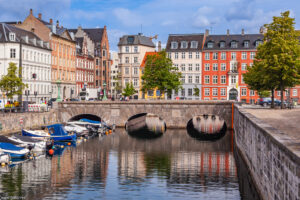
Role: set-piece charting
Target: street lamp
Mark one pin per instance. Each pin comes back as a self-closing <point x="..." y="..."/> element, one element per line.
<point x="35" y="94"/>
<point x="104" y="92"/>
<point x="58" y="82"/>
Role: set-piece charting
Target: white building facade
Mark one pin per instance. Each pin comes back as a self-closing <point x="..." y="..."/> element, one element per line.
<point x="114" y="72"/>
<point x="35" y="60"/>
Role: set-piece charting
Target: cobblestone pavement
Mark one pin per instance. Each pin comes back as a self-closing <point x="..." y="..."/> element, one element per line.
<point x="287" y="121"/>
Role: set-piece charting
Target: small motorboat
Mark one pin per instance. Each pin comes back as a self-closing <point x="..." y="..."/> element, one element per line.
<point x="37" y="134"/>
<point x="92" y="127"/>
<point x="100" y="123"/>
<point x="58" y="133"/>
<point x="79" y="130"/>
<point x="13" y="150"/>
<point x="38" y="145"/>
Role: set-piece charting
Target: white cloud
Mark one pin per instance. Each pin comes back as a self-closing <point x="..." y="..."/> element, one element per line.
<point x="127" y="17"/>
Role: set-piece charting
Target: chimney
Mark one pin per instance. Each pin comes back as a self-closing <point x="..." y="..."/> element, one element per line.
<point x="57" y="24"/>
<point x="159" y="46"/>
<point x="40" y="16"/>
<point x="51" y="21"/>
<point x="227" y="32"/>
<point x="206" y="32"/>
<point x="243" y="32"/>
<point x="32" y="30"/>
<point x="105" y="27"/>
<point x="30" y="12"/>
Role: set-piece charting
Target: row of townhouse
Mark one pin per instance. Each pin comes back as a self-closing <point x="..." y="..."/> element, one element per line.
<point x="55" y="60"/>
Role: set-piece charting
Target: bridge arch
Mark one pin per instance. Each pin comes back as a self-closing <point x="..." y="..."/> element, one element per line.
<point x="85" y="116"/>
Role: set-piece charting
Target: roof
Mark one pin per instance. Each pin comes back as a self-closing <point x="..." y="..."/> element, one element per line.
<point x="44" y="22"/>
<point x="21" y="34"/>
<point x="94" y="34"/>
<point x="185" y="37"/>
<point x="145" y="57"/>
<point x="79" y="44"/>
<point x="239" y="38"/>
<point x="136" y="40"/>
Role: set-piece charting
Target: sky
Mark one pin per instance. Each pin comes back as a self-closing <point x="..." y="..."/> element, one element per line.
<point x="154" y="17"/>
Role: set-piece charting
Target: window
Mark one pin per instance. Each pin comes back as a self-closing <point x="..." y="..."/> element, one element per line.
<point x="206" y="67"/>
<point x="176" y="66"/>
<point x="233" y="44"/>
<point x="278" y="93"/>
<point x="190" y="80"/>
<point x="135" y="49"/>
<point x="223" y="79"/>
<point x="190" y="55"/>
<point x="135" y="60"/>
<point x="252" y="93"/>
<point x="12" y="36"/>
<point x="150" y="92"/>
<point x="215" y="91"/>
<point x="222" y="44"/>
<point x="190" y="67"/>
<point x="223" y="91"/>
<point x="258" y="42"/>
<point x="252" y="55"/>
<point x="197" y="67"/>
<point x="12" y="53"/>
<point x="207" y="56"/>
<point x="176" y="55"/>
<point x="126" y="59"/>
<point x="126" y="81"/>
<point x="183" y="55"/>
<point x="251" y="64"/>
<point x="244" y="66"/>
<point x="183" y="67"/>
<point x="127" y="49"/>
<point x="233" y="79"/>
<point x="126" y="70"/>
<point x="210" y="45"/>
<point x="233" y="55"/>
<point x="174" y="45"/>
<point x="206" y="92"/>
<point x="215" y="67"/>
<point x="194" y="44"/>
<point x="169" y="55"/>
<point x="135" y="70"/>
<point x="183" y="92"/>
<point x="183" y="79"/>
<point x="246" y="44"/>
<point x="242" y="79"/>
<point x="223" y="56"/>
<point x="244" y="55"/>
<point x="135" y="82"/>
<point x="183" y="44"/>
<point x="197" y="55"/>
<point x="215" y="56"/>
<point x="223" y="66"/>
<point x="206" y="79"/>
<point x="295" y="93"/>
<point x="190" y="92"/>
<point x="97" y="61"/>
<point x="197" y="79"/>
<point x="215" y="79"/>
<point x="244" y="92"/>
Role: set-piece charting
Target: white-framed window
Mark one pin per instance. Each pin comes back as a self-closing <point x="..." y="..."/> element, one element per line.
<point x="197" y="55"/>
<point x="223" y="79"/>
<point x="215" y="79"/>
<point x="183" y="55"/>
<point x="12" y="53"/>
<point x="244" y="92"/>
<point x="197" y="67"/>
<point x="135" y="82"/>
<point x="206" y="67"/>
<point x="210" y="45"/>
<point x="215" y="56"/>
<point x="190" y="55"/>
<point x="190" y="79"/>
<point x="244" y="55"/>
<point x="233" y="44"/>
<point x="295" y="92"/>
<point x="184" y="45"/>
<point x="206" y="92"/>
<point x="233" y="55"/>
<point x="252" y="93"/>
<point x="207" y="56"/>
<point x="258" y="42"/>
<point x="135" y="49"/>
<point x="244" y="66"/>
<point x="194" y="44"/>
<point x="183" y="67"/>
<point x="252" y="55"/>
<point x="126" y="59"/>
<point x="215" y="67"/>
<point x="246" y="44"/>
<point x="233" y="79"/>
<point x="215" y="91"/>
<point x="242" y="79"/>
<point x="12" y="36"/>
<point x="190" y="67"/>
<point x="176" y="55"/>
<point x="223" y="66"/>
<point x="127" y="49"/>
<point x="278" y="93"/>
<point x="222" y="44"/>
<point x="126" y="81"/>
<point x="197" y="79"/>
<point x="223" y="56"/>
<point x="251" y="64"/>
<point x="183" y="79"/>
<point x="223" y="91"/>
<point x="135" y="70"/>
<point x="176" y="66"/>
<point x="206" y="79"/>
<point x="174" y="45"/>
<point x="190" y="92"/>
<point x="183" y="92"/>
<point x="135" y="60"/>
<point x="169" y="55"/>
<point x="126" y="70"/>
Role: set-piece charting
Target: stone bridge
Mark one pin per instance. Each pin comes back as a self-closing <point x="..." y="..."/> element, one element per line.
<point x="175" y="113"/>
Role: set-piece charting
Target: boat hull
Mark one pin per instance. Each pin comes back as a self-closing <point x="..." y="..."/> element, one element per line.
<point x="64" y="137"/>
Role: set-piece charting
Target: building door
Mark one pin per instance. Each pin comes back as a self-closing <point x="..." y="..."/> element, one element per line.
<point x="233" y="94"/>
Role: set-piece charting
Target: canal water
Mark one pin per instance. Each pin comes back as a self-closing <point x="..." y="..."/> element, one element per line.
<point x="117" y="166"/>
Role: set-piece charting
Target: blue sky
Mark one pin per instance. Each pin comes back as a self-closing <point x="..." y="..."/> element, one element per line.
<point x="160" y="17"/>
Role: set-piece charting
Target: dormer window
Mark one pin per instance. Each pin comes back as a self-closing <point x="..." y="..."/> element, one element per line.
<point x="174" y="45"/>
<point x="210" y="45"/>
<point x="194" y="44"/>
<point x="233" y="44"/>
<point x="222" y="44"/>
<point x="183" y="44"/>
<point x="246" y="44"/>
<point x="258" y="42"/>
<point x="12" y="37"/>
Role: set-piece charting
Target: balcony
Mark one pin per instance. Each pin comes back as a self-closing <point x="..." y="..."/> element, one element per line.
<point x="233" y="72"/>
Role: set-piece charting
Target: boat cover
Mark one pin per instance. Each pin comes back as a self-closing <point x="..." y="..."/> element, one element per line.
<point x="57" y="129"/>
<point x="26" y="138"/>
<point x="90" y="121"/>
<point x="9" y="146"/>
<point x="7" y="140"/>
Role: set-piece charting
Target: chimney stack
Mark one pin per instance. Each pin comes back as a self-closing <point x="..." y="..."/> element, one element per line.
<point x="159" y="46"/>
<point x="57" y="24"/>
<point x="227" y="32"/>
<point x="51" y="21"/>
<point x="30" y="12"/>
<point x="243" y="32"/>
<point x="40" y="15"/>
<point x="206" y="32"/>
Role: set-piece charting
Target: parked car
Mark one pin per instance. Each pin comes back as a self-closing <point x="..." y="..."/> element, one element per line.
<point x="74" y="99"/>
<point x="51" y="101"/>
<point x="268" y="100"/>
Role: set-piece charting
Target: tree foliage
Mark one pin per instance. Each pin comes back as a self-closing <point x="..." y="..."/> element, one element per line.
<point x="118" y="86"/>
<point x="196" y="91"/>
<point x="160" y="74"/>
<point x="129" y="90"/>
<point x="11" y="84"/>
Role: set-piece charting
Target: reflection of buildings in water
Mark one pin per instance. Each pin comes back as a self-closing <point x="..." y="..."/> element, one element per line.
<point x="131" y="166"/>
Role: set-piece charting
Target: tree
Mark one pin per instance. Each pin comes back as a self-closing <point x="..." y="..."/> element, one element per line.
<point x="160" y="74"/>
<point x="129" y="90"/>
<point x="118" y="86"/>
<point x="196" y="91"/>
<point x="11" y="84"/>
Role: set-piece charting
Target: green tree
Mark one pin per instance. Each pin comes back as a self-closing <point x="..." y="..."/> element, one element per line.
<point x="196" y="91"/>
<point x="11" y="84"/>
<point x="118" y="86"/>
<point x="129" y="90"/>
<point x="160" y="74"/>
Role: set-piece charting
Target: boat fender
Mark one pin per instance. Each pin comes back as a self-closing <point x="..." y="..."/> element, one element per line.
<point x="3" y="164"/>
<point x="62" y="146"/>
<point x="51" y="152"/>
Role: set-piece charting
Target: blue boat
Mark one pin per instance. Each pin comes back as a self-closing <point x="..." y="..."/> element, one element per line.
<point x="58" y="133"/>
<point x="13" y="150"/>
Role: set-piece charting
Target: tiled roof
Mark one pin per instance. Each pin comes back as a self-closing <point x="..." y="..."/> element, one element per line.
<point x="185" y="37"/>
<point x="94" y="33"/>
<point x="44" y="22"/>
<point x="136" y="40"/>
<point x="145" y="57"/>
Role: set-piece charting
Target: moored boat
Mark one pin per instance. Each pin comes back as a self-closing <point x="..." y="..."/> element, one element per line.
<point x="4" y="158"/>
<point x="38" y="134"/>
<point x="37" y="145"/>
<point x="58" y="133"/>
<point x="13" y="150"/>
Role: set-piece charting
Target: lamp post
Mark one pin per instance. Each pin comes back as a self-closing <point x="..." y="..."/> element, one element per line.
<point x="104" y="92"/>
<point x="35" y="94"/>
<point x="58" y="83"/>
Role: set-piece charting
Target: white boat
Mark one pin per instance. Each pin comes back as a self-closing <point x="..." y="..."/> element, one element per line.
<point x="4" y="158"/>
<point x="79" y="130"/>
<point x="36" y="134"/>
<point x="37" y="146"/>
<point x="13" y="150"/>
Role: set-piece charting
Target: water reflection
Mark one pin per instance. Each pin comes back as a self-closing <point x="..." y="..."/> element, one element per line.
<point x="116" y="166"/>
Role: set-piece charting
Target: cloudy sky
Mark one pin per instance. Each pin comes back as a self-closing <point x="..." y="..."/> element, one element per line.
<point x="153" y="17"/>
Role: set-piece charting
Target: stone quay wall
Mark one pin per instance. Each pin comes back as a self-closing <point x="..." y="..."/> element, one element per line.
<point x="272" y="157"/>
<point x="14" y="122"/>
